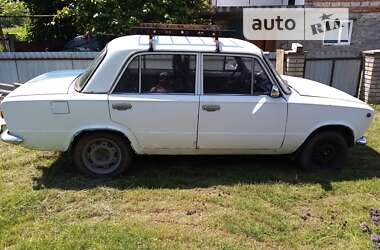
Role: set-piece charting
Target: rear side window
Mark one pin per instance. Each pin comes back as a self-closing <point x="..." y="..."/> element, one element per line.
<point x="159" y="74"/>
<point x="234" y="75"/>
<point x="129" y="81"/>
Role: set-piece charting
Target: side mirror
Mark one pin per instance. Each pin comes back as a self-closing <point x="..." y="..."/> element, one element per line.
<point x="275" y="92"/>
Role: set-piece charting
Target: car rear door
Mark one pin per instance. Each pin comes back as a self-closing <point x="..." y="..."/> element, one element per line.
<point x="236" y="109"/>
<point x="155" y="98"/>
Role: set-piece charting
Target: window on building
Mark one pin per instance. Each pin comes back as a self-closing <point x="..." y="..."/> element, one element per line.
<point x="338" y="33"/>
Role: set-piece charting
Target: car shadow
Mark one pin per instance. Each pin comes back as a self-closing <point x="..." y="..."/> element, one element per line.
<point x="206" y="171"/>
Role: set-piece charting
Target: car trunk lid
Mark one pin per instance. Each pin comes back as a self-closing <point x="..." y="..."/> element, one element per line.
<point x="56" y="82"/>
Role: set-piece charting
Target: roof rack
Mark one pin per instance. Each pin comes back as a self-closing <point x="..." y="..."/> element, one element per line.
<point x="155" y="29"/>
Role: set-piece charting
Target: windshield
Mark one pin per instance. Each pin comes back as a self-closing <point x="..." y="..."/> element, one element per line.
<point x="81" y="80"/>
<point x="282" y="82"/>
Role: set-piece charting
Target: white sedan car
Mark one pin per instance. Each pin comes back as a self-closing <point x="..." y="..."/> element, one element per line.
<point x="181" y="95"/>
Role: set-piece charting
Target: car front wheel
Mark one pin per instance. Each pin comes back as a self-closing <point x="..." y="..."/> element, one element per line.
<point x="102" y="154"/>
<point x="326" y="150"/>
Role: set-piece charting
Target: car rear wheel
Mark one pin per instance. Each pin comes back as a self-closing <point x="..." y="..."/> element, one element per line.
<point x="326" y="150"/>
<point x="102" y="154"/>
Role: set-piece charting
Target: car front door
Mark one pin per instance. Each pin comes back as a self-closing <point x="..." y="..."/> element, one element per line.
<point x="155" y="98"/>
<point x="236" y="109"/>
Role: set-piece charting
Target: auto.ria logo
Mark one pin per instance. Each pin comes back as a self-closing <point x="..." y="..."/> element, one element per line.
<point x="271" y="24"/>
<point x="326" y="24"/>
<point x="294" y="23"/>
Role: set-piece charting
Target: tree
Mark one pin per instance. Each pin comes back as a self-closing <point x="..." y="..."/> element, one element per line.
<point x="111" y="16"/>
<point x="45" y="28"/>
<point x="12" y="8"/>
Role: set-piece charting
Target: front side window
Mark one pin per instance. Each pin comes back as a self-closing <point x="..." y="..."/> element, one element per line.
<point x="234" y="75"/>
<point x="159" y="74"/>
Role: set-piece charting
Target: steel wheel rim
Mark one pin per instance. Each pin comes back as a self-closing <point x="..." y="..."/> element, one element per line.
<point x="101" y="156"/>
<point x="325" y="153"/>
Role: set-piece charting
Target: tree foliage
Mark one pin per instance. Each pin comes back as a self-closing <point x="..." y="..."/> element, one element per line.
<point x="12" y="8"/>
<point x="110" y="16"/>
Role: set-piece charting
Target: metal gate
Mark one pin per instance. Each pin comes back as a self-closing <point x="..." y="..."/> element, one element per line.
<point x="343" y="73"/>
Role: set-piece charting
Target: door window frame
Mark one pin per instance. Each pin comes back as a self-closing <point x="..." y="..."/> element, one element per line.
<point x="262" y="64"/>
<point x="139" y="54"/>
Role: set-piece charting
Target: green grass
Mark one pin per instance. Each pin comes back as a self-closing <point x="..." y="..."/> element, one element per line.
<point x="239" y="202"/>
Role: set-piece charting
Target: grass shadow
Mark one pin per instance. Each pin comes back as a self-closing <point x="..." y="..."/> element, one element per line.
<point x="206" y="171"/>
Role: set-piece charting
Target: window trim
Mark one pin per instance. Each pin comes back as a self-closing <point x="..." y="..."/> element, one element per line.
<point x="253" y="64"/>
<point x="263" y="65"/>
<point x="140" y="70"/>
<point x="285" y="90"/>
<point x="133" y="56"/>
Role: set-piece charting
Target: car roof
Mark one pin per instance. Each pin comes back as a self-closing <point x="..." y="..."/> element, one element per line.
<point x="183" y="43"/>
<point x="120" y="49"/>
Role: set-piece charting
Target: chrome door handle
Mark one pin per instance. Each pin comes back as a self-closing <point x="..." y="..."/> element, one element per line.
<point x="121" y="106"/>
<point x="211" y="108"/>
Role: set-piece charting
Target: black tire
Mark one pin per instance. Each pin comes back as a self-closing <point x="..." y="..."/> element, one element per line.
<point x="326" y="150"/>
<point x="102" y="154"/>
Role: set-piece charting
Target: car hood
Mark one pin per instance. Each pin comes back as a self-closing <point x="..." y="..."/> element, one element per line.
<point x="307" y="87"/>
<point x="56" y="82"/>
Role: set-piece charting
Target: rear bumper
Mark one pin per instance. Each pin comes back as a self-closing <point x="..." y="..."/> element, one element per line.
<point x="361" y="141"/>
<point x="5" y="136"/>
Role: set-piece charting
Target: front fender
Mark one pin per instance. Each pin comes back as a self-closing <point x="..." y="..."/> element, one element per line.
<point x="307" y="115"/>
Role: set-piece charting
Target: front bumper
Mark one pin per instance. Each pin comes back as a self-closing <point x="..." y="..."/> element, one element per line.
<point x="361" y="141"/>
<point x="5" y="136"/>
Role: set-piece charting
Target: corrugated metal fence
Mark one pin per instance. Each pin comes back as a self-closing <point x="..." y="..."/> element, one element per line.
<point x="339" y="70"/>
<point x="23" y="66"/>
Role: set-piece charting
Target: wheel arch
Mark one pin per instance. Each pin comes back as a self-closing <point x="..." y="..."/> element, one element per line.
<point x="345" y="130"/>
<point x="86" y="131"/>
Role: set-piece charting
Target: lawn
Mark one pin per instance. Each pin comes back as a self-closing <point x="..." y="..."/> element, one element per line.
<point x="237" y="202"/>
